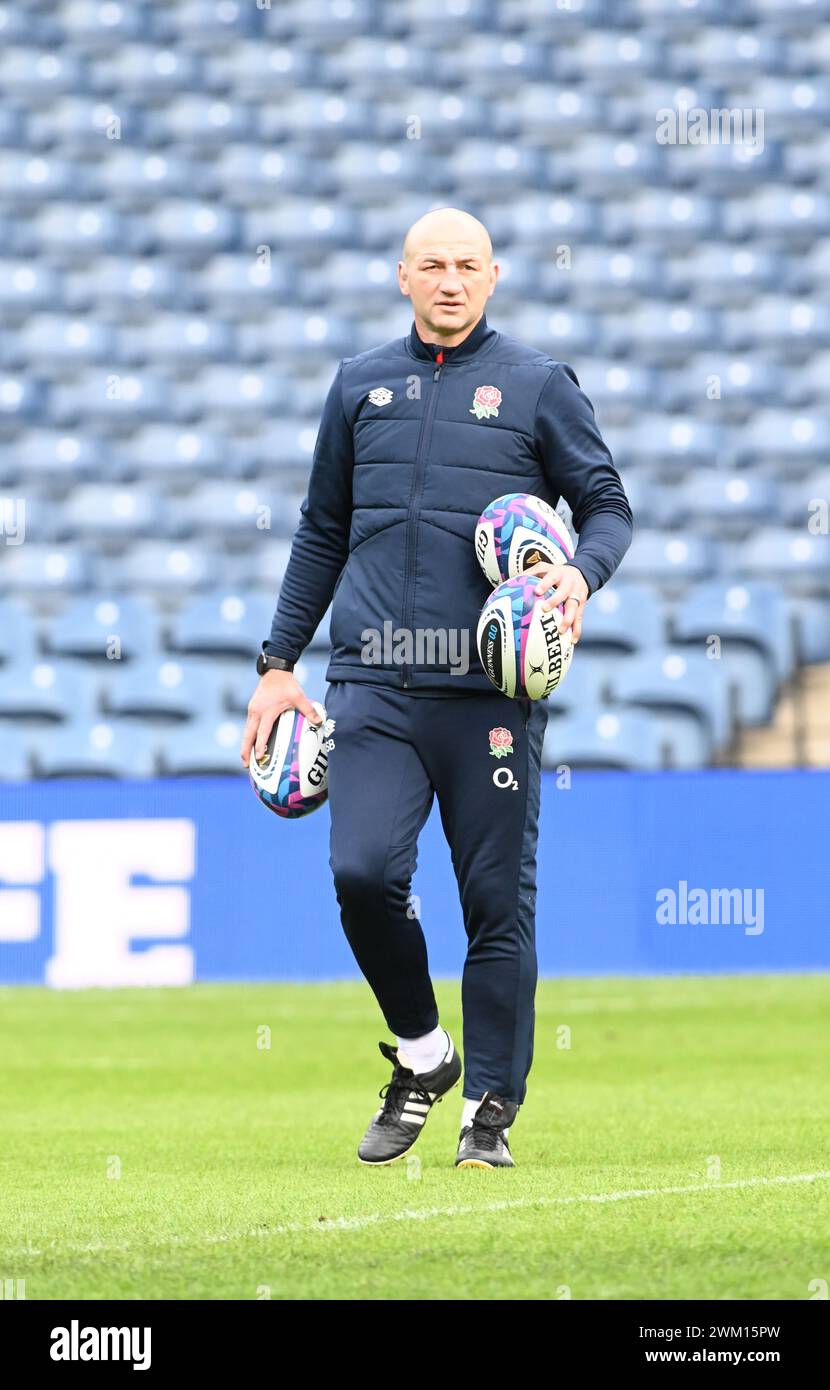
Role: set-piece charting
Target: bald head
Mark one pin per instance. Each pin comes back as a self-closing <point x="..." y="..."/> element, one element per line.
<point x="448" y="272"/>
<point x="447" y="226"/>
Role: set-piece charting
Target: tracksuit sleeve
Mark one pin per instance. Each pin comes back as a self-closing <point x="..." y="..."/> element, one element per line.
<point x="321" y="541"/>
<point x="579" y="467"/>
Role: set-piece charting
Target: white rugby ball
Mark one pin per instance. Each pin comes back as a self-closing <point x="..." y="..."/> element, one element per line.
<point x="517" y="531"/>
<point x="291" y="777"/>
<point x="521" y="647"/>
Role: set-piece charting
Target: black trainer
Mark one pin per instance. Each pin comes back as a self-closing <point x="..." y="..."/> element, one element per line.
<point x="407" y="1100"/>
<point x="483" y="1144"/>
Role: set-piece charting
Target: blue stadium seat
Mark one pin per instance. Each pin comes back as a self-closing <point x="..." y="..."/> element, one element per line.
<point x="265" y="566"/>
<point x="101" y="394"/>
<point x="737" y="383"/>
<point x="585" y="686"/>
<point x="599" y="165"/>
<point x="313" y="332"/>
<point x="103" y="626"/>
<point x="204" y="205"/>
<point x="163" y="687"/>
<point x="302" y="223"/>
<point x="200" y="117"/>
<point x="25" y="73"/>
<point x="81" y="121"/>
<point x="622" y="617"/>
<point x="223" y="623"/>
<point x="603" y="277"/>
<point x="17" y="633"/>
<point x="179" y="338"/>
<point x="15" y="755"/>
<point x="179" y="224"/>
<point x="603" y="738"/>
<point x="206" y="747"/>
<point x="806" y="502"/>
<point x="718" y="275"/>
<point x="176" y="452"/>
<point x="811" y="617"/>
<point x="26" y="285"/>
<point x="107" y="511"/>
<point x="161" y="567"/>
<point x="787" y="439"/>
<point x="748" y="614"/>
<point x="801" y="561"/>
<point x="250" y="172"/>
<point x="146" y="70"/>
<point x="42" y="690"/>
<point x="53" y="340"/>
<point x="256" y="66"/>
<point x="21" y="398"/>
<point x="99" y="747"/>
<point x="241" y="390"/>
<point x="681" y="685"/>
<point x="120" y="281"/>
<point x="686" y="217"/>
<point x="141" y="172"/>
<point x="231" y="280"/>
<point x="78" y="228"/>
<point x="41" y="568"/>
<point x="732" y="501"/>
<point x="311" y="673"/>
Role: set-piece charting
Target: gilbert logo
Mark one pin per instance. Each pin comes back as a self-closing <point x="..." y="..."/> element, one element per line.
<point x="76" y="1343"/>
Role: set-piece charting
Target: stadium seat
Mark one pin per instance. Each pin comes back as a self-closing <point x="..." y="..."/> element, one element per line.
<point x="15" y="755"/>
<point x="103" y="627"/>
<point x="17" y="633"/>
<point x="621" y="618"/>
<point x="97" y="748"/>
<point x="602" y="738"/>
<point x="223" y="623"/>
<point x="41" y="690"/>
<point x="750" y="615"/>
<point x="203" y="210"/>
<point x="206" y="747"/>
<point x="671" y="560"/>
<point x="680" y="685"/>
<point x="162" y="687"/>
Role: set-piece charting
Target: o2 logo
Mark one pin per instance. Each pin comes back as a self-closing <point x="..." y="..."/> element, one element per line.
<point x="503" y="778"/>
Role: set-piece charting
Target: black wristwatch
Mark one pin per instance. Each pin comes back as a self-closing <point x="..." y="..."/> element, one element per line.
<point x="264" y="663"/>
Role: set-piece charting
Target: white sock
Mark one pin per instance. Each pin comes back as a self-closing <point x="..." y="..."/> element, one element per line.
<point x="470" y="1108"/>
<point x="424" y="1053"/>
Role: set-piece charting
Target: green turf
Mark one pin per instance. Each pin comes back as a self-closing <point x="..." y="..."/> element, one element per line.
<point x="238" y="1176"/>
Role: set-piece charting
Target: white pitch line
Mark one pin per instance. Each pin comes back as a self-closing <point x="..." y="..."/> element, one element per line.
<point x="359" y="1223"/>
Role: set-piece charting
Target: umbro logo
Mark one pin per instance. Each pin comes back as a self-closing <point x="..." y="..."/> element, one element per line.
<point x="381" y="395"/>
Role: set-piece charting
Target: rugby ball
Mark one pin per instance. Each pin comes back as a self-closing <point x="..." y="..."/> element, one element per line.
<point x="291" y="777"/>
<point x="520" y="646"/>
<point x="518" y="531"/>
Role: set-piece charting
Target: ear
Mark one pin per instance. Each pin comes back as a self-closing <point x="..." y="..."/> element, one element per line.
<point x="494" y="275"/>
<point x="403" y="278"/>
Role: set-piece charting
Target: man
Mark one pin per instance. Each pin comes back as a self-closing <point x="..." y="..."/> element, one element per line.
<point x="406" y="460"/>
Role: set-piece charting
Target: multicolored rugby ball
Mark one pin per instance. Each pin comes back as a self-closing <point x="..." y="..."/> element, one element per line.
<point x="517" y="531"/>
<point x="521" y="647"/>
<point x="291" y="777"/>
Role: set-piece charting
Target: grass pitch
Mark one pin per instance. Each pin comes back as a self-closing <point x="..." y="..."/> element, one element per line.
<point x="154" y="1147"/>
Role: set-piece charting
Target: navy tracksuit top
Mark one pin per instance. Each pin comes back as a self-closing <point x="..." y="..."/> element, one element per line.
<point x="403" y="467"/>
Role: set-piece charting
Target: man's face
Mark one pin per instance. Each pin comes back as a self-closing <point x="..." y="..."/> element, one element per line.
<point x="449" y="284"/>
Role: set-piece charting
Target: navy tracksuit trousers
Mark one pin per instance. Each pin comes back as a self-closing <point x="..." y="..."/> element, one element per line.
<point x="480" y="754"/>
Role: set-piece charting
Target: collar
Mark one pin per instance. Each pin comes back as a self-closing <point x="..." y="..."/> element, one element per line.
<point x="481" y="336"/>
